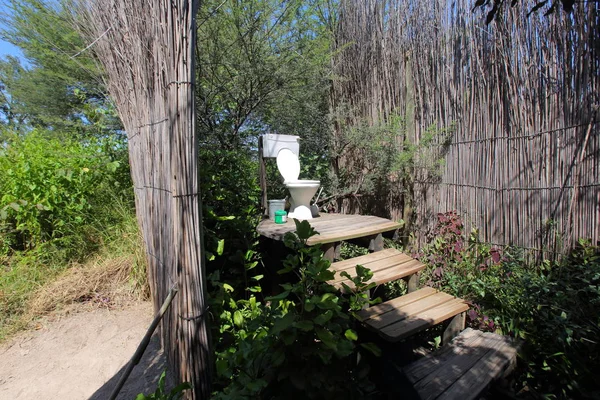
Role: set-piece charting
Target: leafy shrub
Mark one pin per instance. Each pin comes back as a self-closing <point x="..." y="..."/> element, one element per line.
<point x="56" y="191"/>
<point x="230" y="193"/>
<point x="60" y="201"/>
<point x="552" y="306"/>
<point x="300" y="343"/>
<point x="564" y="325"/>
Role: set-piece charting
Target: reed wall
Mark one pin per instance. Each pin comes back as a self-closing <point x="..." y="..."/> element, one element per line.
<point x="521" y="95"/>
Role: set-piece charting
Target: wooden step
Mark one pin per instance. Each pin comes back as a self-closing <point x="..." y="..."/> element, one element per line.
<point x="463" y="368"/>
<point x="387" y="265"/>
<point x="404" y="316"/>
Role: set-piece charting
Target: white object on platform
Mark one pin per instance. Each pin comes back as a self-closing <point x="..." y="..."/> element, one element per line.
<point x="301" y="190"/>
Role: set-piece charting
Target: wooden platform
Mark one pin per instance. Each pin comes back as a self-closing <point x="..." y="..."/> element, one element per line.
<point x="463" y="368"/>
<point x="387" y="265"/>
<point x="404" y="316"/>
<point x="332" y="227"/>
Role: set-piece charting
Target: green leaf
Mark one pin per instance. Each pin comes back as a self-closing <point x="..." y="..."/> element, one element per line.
<point x="278" y="358"/>
<point x="179" y="389"/>
<point x="326" y="337"/>
<point x="309" y="306"/>
<point x="222" y="367"/>
<point x="280" y="296"/>
<point x="322" y="319"/>
<point x="238" y="318"/>
<point x="304" y="230"/>
<point x="220" y="247"/>
<point x="305" y="325"/>
<point x="228" y="287"/>
<point x="373" y="348"/>
<point x="351" y="335"/>
<point x="282" y="323"/>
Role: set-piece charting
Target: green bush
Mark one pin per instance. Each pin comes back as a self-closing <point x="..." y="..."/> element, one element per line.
<point x="298" y="344"/>
<point x="554" y="306"/>
<point x="230" y="196"/>
<point x="60" y="201"/>
<point x="57" y="191"/>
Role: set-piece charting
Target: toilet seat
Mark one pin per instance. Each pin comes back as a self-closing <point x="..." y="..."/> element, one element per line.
<point x="288" y="165"/>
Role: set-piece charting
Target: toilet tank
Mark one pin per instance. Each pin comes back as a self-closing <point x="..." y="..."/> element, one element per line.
<point x="273" y="142"/>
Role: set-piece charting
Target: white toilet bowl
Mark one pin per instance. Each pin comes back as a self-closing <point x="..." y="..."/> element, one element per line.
<point x="301" y="190"/>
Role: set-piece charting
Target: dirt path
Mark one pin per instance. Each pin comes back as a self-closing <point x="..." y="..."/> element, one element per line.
<point x="79" y="356"/>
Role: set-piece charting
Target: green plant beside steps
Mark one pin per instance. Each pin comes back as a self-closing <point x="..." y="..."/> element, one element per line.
<point x="301" y="343"/>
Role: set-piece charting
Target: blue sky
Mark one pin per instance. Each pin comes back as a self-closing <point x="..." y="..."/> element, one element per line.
<point x="8" y="49"/>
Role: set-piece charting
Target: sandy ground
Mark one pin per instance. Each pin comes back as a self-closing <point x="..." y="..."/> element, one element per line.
<point x="80" y="356"/>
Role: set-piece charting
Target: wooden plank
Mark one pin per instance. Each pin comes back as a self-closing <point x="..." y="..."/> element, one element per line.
<point x="332" y="227"/>
<point x="412" y="282"/>
<point x="387" y="275"/>
<point x="376" y="243"/>
<point x="340" y="225"/>
<point x="413" y="310"/>
<point x="363" y="260"/>
<point x="395" y="261"/>
<point x="430" y="363"/>
<point x="350" y="234"/>
<point x="331" y="251"/>
<point x="489" y="367"/>
<point x="397" y="302"/>
<point x="439" y="380"/>
<point x="424" y="320"/>
<point x="398" y="271"/>
<point x="352" y="223"/>
<point x="390" y="273"/>
<point x="456" y="325"/>
<point x="464" y="368"/>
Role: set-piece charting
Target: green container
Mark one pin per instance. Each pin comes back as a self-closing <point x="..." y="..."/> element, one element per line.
<point x="280" y="217"/>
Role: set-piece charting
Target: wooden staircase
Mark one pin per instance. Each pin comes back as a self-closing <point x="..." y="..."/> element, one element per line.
<point x="466" y="364"/>
<point x="398" y="318"/>
<point x="403" y="316"/>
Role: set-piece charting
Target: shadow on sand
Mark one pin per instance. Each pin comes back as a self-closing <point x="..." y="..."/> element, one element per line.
<point x="143" y="378"/>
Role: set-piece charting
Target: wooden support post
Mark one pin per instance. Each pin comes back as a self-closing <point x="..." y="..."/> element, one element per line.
<point x="262" y="175"/>
<point x="331" y="251"/>
<point x="412" y="282"/>
<point x="372" y="242"/>
<point x="454" y="327"/>
<point x="376" y="242"/>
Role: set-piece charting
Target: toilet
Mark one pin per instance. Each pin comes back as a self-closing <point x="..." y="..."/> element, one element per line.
<point x="286" y="149"/>
<point x="301" y="190"/>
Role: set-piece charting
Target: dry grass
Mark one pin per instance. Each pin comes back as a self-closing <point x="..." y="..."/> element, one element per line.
<point x="105" y="282"/>
<point x="101" y="282"/>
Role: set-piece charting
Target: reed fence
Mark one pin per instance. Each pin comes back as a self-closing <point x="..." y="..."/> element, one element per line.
<point x="147" y="50"/>
<point x="523" y="161"/>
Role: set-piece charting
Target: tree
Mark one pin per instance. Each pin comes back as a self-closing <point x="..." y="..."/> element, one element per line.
<point x="261" y="67"/>
<point x="60" y="86"/>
